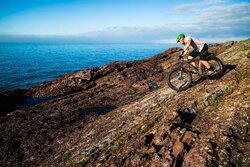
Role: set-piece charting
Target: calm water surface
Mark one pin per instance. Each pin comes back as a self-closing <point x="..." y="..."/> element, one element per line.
<point x="25" y="65"/>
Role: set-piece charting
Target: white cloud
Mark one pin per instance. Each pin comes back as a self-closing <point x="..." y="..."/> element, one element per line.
<point x="198" y="7"/>
<point x="212" y="2"/>
<point x="220" y="22"/>
<point x="228" y="19"/>
<point x="217" y="21"/>
<point x="186" y="8"/>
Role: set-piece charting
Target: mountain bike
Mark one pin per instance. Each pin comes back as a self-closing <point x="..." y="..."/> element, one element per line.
<point x="180" y="78"/>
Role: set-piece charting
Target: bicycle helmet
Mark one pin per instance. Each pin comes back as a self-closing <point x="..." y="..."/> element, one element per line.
<point x="180" y="36"/>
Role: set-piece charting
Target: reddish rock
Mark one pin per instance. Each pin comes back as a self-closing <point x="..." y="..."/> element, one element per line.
<point x="188" y="137"/>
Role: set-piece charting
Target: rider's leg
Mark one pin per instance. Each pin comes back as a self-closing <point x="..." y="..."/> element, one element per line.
<point x="190" y="58"/>
<point x="210" y="69"/>
<point x="203" y="57"/>
<point x="203" y="60"/>
<point x="193" y="55"/>
<point x="205" y="63"/>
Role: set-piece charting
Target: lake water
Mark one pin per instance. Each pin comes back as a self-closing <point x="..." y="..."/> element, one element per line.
<point x="26" y="65"/>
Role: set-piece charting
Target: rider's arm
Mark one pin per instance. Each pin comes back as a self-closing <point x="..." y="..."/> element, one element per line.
<point x="187" y="44"/>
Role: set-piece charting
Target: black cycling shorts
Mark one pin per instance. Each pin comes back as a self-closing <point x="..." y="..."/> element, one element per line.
<point x="202" y="54"/>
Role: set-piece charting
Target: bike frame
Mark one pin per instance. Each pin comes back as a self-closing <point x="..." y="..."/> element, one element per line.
<point x="188" y="62"/>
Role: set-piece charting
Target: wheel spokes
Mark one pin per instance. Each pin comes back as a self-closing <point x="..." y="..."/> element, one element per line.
<point x="179" y="79"/>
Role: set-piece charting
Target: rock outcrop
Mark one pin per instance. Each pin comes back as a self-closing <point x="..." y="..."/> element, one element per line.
<point x="109" y="116"/>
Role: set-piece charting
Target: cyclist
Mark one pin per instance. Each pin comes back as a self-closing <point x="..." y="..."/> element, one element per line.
<point x="200" y="48"/>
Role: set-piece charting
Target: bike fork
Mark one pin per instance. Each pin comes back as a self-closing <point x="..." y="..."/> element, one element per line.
<point x="180" y="74"/>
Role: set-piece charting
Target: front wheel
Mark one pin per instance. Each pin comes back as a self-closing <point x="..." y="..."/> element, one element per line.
<point x="179" y="79"/>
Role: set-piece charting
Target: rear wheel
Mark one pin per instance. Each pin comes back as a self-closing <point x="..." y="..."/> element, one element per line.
<point x="217" y="64"/>
<point x="179" y="79"/>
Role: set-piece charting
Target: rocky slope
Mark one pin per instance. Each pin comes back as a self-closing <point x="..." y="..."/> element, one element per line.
<point x="108" y="116"/>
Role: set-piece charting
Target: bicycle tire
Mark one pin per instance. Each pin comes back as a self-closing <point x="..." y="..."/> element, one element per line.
<point x="184" y="86"/>
<point x="217" y="64"/>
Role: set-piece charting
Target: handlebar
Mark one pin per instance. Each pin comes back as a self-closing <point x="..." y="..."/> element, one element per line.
<point x="181" y="58"/>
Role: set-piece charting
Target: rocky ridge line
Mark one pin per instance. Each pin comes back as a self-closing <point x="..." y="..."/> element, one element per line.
<point x="207" y="125"/>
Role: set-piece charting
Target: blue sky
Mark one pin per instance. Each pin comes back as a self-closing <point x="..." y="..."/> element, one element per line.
<point x="122" y="21"/>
